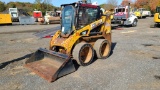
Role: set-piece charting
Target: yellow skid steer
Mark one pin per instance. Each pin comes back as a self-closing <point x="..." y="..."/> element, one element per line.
<point x="85" y="33"/>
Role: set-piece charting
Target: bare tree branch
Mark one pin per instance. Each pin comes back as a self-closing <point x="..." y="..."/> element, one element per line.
<point x="111" y="4"/>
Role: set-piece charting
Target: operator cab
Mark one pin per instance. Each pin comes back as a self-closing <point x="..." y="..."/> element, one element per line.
<point x="68" y="14"/>
<point x="77" y="15"/>
<point x="158" y="10"/>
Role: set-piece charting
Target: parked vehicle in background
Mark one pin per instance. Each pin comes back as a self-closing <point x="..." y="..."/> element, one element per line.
<point x="14" y="14"/>
<point x="5" y="19"/>
<point x="52" y="17"/>
<point x="142" y="13"/>
<point x="137" y="13"/>
<point x="145" y="12"/>
<point x="36" y="15"/>
<point x="124" y="16"/>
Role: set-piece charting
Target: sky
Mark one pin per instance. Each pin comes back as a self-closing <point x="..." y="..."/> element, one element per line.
<point x="59" y="2"/>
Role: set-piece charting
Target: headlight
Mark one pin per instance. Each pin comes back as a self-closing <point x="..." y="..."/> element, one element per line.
<point x="76" y="5"/>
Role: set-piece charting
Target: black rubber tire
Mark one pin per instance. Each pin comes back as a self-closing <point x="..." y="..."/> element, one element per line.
<point x="100" y="51"/>
<point x="77" y="52"/>
<point x="144" y="17"/>
<point x="134" y="24"/>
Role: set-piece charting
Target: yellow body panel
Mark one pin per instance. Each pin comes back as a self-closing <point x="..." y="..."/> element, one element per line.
<point x="111" y="17"/>
<point x="157" y="18"/>
<point x="69" y="42"/>
<point x="5" y="19"/>
<point x="111" y="13"/>
<point x="137" y="13"/>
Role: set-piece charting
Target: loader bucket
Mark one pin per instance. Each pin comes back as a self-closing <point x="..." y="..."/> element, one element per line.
<point x="50" y="65"/>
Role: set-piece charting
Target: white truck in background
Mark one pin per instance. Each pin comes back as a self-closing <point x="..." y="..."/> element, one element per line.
<point x="145" y="12"/>
<point x="14" y="14"/>
<point x="124" y="16"/>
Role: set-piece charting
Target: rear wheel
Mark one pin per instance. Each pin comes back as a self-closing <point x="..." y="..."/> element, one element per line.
<point x="144" y="17"/>
<point x="134" y="24"/>
<point x="102" y="48"/>
<point x="83" y="53"/>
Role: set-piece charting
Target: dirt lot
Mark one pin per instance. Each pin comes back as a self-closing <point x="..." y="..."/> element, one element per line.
<point x="134" y="63"/>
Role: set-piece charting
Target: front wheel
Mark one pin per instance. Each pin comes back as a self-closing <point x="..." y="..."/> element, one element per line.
<point x="134" y="24"/>
<point x="83" y="53"/>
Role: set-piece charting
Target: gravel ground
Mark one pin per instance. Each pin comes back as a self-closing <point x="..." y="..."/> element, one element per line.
<point x="133" y="64"/>
<point x="24" y="28"/>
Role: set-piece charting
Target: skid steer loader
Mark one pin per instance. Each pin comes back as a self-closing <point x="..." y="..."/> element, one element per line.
<point x="85" y="32"/>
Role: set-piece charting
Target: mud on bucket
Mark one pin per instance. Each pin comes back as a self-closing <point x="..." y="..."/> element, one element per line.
<point x="50" y="65"/>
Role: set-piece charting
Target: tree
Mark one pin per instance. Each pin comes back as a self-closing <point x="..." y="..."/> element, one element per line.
<point x="141" y="3"/>
<point x="46" y="6"/>
<point x="126" y="2"/>
<point x="148" y="4"/>
<point x="111" y="4"/>
<point x="153" y="4"/>
<point x="47" y="3"/>
<point x="11" y="5"/>
<point x="42" y="5"/>
<point x="38" y="4"/>
<point x="2" y="6"/>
